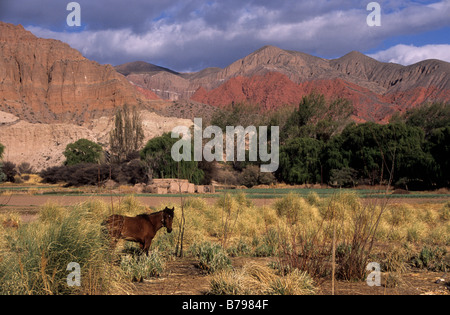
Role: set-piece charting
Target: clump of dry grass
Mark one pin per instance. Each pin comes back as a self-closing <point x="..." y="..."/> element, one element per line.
<point x="296" y="210"/>
<point x="35" y="257"/>
<point x="445" y="212"/>
<point x="255" y="279"/>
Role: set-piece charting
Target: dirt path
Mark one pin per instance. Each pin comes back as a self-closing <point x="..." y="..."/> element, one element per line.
<point x="182" y="278"/>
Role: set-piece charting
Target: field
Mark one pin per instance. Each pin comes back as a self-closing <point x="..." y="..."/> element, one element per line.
<point x="253" y="241"/>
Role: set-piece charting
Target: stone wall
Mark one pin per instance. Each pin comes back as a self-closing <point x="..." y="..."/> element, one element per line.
<point x="176" y="186"/>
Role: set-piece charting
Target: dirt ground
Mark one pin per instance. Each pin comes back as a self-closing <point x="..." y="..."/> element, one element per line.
<point x="183" y="278"/>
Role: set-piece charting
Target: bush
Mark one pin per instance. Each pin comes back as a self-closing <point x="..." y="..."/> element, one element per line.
<point x="82" y="151"/>
<point x="140" y="267"/>
<point x="252" y="176"/>
<point x="9" y="169"/>
<point x="212" y="257"/>
<point x="92" y="174"/>
<point x="35" y="258"/>
<point x="445" y="212"/>
<point x="25" y="168"/>
<point x="432" y="259"/>
<point x="296" y="209"/>
<point x="254" y="279"/>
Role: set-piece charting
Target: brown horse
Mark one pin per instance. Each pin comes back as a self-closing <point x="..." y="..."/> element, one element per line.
<point x="141" y="229"/>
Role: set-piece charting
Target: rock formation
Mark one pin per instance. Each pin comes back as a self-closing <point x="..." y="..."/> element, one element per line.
<point x="45" y="80"/>
<point x="42" y="145"/>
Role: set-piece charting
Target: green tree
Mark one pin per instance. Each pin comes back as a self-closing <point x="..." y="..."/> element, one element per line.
<point x="375" y="150"/>
<point x="439" y="147"/>
<point x="127" y="136"/>
<point x="157" y="155"/>
<point x="2" y="175"/>
<point x="317" y="118"/>
<point x="429" y="116"/>
<point x="82" y="151"/>
<point x="300" y="161"/>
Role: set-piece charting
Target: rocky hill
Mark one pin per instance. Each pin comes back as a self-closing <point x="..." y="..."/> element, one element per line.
<point x="273" y="77"/>
<point x="50" y="96"/>
<point x="44" y="80"/>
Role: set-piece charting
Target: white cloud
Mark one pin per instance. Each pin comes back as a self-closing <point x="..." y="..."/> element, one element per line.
<point x="409" y="54"/>
<point x="220" y="33"/>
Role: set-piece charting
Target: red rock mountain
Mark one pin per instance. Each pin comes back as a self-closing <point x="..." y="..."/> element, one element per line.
<point x="272" y="77"/>
<point x="44" y="80"/>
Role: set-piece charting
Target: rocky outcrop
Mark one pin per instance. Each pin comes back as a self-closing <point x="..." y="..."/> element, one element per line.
<point x="42" y="145"/>
<point x="44" y="80"/>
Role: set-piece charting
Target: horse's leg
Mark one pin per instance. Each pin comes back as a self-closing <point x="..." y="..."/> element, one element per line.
<point x="148" y="243"/>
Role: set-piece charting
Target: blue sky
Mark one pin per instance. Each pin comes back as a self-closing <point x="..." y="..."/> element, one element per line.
<point x="188" y="35"/>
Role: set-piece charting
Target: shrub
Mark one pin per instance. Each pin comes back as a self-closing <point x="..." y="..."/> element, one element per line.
<point x="212" y="257"/>
<point x="294" y="283"/>
<point x="267" y="245"/>
<point x="82" y="151"/>
<point x="37" y="255"/>
<point x="445" y="212"/>
<point x="86" y="174"/>
<point x="9" y="169"/>
<point x="295" y="209"/>
<point x="254" y="279"/>
<point x="432" y="259"/>
<point x="140" y="267"/>
<point x="25" y="168"/>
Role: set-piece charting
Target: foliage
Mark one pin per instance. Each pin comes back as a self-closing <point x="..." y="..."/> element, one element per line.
<point x="158" y="157"/>
<point x="300" y="161"/>
<point x="132" y="172"/>
<point x="429" y="116"/>
<point x="9" y="171"/>
<point x="345" y="177"/>
<point x="82" y="151"/>
<point x="252" y="176"/>
<point x="317" y="118"/>
<point x="212" y="257"/>
<point x="127" y="136"/>
<point x="140" y="267"/>
<point x="237" y="114"/>
<point x="431" y="258"/>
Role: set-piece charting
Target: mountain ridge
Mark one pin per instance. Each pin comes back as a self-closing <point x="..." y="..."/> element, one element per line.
<point x="376" y="88"/>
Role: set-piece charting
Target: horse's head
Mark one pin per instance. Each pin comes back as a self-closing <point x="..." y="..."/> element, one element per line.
<point x="168" y="218"/>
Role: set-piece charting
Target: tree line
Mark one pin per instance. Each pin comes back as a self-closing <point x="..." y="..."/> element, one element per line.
<point x="319" y="144"/>
<point x="412" y="150"/>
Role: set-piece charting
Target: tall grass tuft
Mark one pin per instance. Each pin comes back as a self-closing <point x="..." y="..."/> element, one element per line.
<point x="212" y="257"/>
<point x="255" y="279"/>
<point x="35" y="258"/>
<point x="140" y="267"/>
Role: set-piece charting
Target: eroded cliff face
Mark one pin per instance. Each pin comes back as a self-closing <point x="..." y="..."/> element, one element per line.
<point x="44" y="80"/>
<point x="50" y="96"/>
<point x="42" y="145"/>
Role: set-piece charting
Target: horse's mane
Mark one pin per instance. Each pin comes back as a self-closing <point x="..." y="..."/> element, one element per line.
<point x="148" y="215"/>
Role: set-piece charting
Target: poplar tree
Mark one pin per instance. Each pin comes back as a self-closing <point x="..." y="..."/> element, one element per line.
<point x="127" y="136"/>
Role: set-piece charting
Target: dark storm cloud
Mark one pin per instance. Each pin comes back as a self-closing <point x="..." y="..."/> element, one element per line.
<point x="193" y="34"/>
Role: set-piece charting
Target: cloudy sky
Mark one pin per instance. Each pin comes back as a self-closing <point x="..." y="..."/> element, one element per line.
<point x="189" y="35"/>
